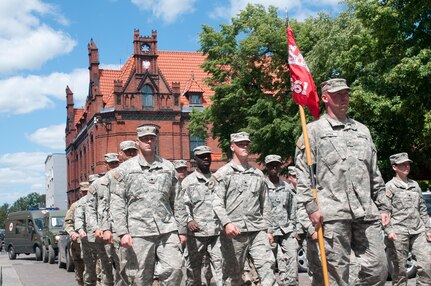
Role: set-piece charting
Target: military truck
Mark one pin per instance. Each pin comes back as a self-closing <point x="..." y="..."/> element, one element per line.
<point x="24" y="233"/>
<point x="53" y="224"/>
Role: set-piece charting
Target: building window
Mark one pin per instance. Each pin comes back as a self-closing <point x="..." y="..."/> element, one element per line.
<point x="195" y="99"/>
<point x="118" y="96"/>
<point x="195" y="142"/>
<point x="147" y="96"/>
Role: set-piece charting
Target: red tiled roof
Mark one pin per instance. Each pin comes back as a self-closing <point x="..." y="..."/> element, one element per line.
<point x="78" y="114"/>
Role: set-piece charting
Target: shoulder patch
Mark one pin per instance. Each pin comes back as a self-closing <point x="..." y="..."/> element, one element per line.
<point x="217" y="177"/>
<point x="300" y="143"/>
<point x="91" y="190"/>
<point x="388" y="192"/>
<point x="116" y="175"/>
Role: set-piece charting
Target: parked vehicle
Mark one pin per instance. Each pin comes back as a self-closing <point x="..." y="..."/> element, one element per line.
<point x="64" y="257"/>
<point x="24" y="233"/>
<point x="2" y="232"/>
<point x="53" y="224"/>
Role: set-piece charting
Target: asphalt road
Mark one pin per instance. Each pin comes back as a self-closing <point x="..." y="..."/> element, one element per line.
<point x="26" y="271"/>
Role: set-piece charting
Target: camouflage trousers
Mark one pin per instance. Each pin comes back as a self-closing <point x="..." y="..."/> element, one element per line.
<point x="89" y="256"/>
<point x="235" y="251"/>
<point x="285" y="248"/>
<point x="398" y="251"/>
<point x="365" y="239"/>
<point x="197" y="248"/>
<point x="107" y="277"/>
<point x="75" y="253"/>
<point x="166" y="249"/>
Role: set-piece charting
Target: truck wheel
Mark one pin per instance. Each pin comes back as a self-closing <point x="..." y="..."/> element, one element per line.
<point x="38" y="253"/>
<point x="11" y="253"/>
<point x="44" y="254"/>
<point x="51" y="254"/>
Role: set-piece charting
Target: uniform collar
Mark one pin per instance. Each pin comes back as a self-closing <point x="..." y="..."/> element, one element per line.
<point x="336" y="123"/>
<point x="240" y="168"/>
<point x="201" y="176"/>
<point x="157" y="162"/>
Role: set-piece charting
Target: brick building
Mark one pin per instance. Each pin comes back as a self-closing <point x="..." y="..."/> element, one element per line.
<point x="152" y="87"/>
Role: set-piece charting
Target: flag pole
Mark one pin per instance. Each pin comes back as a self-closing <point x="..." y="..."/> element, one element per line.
<point x="314" y="190"/>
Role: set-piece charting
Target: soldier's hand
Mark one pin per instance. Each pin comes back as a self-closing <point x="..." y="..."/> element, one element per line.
<point x="386" y="217"/>
<point x="98" y="233"/>
<point x="314" y="236"/>
<point x="126" y="241"/>
<point x="82" y="233"/>
<point x="183" y="239"/>
<point x="428" y="234"/>
<point x="107" y="236"/>
<point x="392" y="236"/>
<point x="231" y="230"/>
<point x="74" y="236"/>
<point x="270" y="238"/>
<point x="193" y="226"/>
<point x="316" y="218"/>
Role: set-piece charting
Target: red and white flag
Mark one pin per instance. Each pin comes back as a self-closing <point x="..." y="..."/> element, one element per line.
<point x="302" y="84"/>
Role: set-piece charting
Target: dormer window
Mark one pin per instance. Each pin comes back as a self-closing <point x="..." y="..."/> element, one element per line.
<point x="195" y="99"/>
<point x="147" y="96"/>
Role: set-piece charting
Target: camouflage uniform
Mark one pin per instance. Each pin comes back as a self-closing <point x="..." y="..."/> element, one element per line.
<point x="409" y="222"/>
<point x="95" y="213"/>
<point x="88" y="250"/>
<point x="351" y="196"/>
<point x="242" y="198"/>
<point x="284" y="226"/>
<point x="143" y="205"/>
<point x="75" y="247"/>
<point x="198" y="200"/>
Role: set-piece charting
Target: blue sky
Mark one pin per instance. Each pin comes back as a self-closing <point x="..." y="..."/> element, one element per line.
<point x="43" y="48"/>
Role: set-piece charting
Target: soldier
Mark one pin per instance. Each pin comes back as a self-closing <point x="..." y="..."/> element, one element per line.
<point x="148" y="212"/>
<point x="350" y="188"/>
<point x="97" y="203"/>
<point x="202" y="223"/>
<point x="181" y="168"/>
<point x="291" y="178"/>
<point x="410" y="227"/>
<point x="117" y="255"/>
<point x="284" y="222"/>
<point x="75" y="245"/>
<point x="242" y="206"/>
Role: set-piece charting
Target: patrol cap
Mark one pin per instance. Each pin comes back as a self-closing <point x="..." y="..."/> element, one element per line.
<point x="128" y="144"/>
<point x="147" y="129"/>
<point x="399" y="158"/>
<point x="240" y="136"/>
<point x="291" y="171"/>
<point x="93" y="177"/>
<point x="202" y="150"/>
<point x="111" y="157"/>
<point x="180" y="164"/>
<point x="84" y="186"/>
<point x="272" y="158"/>
<point x="334" y="85"/>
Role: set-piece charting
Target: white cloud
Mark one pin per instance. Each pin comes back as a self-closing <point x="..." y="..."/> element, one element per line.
<point x="21" y="174"/>
<point x="51" y="137"/>
<point x="167" y="10"/>
<point x="25" y="94"/>
<point x="26" y="43"/>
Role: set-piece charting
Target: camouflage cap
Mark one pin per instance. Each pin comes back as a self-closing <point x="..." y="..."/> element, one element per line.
<point x="147" y="129"/>
<point x="291" y="171"/>
<point x="93" y="177"/>
<point x="84" y="186"/>
<point x="399" y="158"/>
<point x="111" y="157"/>
<point x="179" y="163"/>
<point x="334" y="85"/>
<point x="128" y="144"/>
<point x="202" y="150"/>
<point x="272" y="158"/>
<point x="240" y="136"/>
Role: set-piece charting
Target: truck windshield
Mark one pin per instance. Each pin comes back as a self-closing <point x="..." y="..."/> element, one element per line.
<point x="57" y="221"/>
<point x="39" y="223"/>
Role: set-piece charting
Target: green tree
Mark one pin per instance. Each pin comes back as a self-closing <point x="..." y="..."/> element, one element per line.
<point x="3" y="214"/>
<point x="32" y="200"/>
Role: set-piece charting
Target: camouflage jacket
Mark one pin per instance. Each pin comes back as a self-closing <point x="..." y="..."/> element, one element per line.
<point x="146" y="200"/>
<point x="241" y="197"/>
<point x="409" y="212"/>
<point x="97" y="203"/>
<point x="81" y="220"/>
<point x="69" y="219"/>
<point x="283" y="208"/>
<point x="198" y="199"/>
<point x="348" y="181"/>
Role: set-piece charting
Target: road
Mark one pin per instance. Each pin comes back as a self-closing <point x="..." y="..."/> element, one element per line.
<point x="26" y="271"/>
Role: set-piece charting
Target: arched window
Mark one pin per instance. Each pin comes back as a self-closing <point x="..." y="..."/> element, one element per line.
<point x="147" y="96"/>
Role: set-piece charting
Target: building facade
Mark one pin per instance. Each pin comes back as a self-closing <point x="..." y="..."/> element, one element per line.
<point x="152" y="87"/>
<point x="56" y="181"/>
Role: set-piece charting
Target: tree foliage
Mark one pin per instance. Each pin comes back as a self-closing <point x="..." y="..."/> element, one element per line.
<point x="32" y="200"/>
<point x="382" y="49"/>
